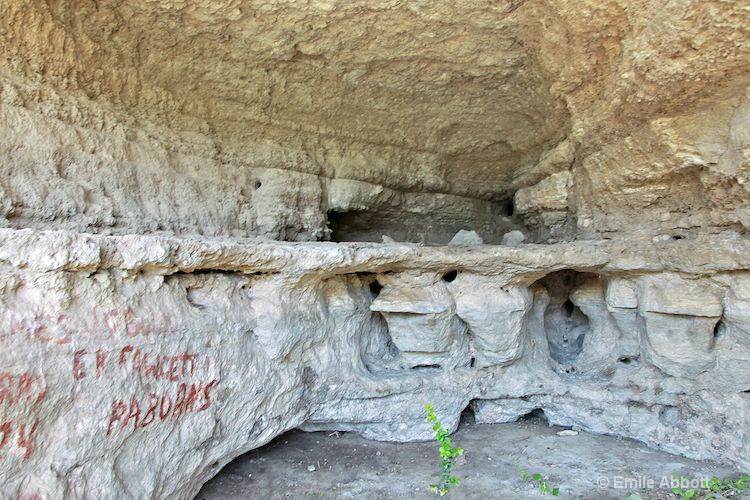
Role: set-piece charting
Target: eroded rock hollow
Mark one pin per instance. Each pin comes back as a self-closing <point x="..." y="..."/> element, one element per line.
<point x="225" y="220"/>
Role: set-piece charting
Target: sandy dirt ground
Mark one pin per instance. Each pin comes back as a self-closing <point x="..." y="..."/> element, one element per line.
<point x="343" y="465"/>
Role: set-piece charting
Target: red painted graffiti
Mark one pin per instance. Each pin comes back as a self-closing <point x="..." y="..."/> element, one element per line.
<point x="190" y="398"/>
<point x="79" y="363"/>
<point x="124" y="321"/>
<point x="136" y="362"/>
<point x="157" y="366"/>
<point x="24" y="387"/>
<point x="48" y="329"/>
<point x="25" y="435"/>
<point x="58" y="329"/>
<point x="29" y="496"/>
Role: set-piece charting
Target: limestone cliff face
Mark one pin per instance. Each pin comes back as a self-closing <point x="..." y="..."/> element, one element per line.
<point x="150" y="332"/>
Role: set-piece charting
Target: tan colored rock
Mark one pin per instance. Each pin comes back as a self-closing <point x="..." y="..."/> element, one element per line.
<point x="645" y="106"/>
<point x="150" y="331"/>
<point x="548" y="195"/>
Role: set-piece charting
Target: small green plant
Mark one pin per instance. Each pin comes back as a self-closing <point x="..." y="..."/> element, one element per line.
<point x="448" y="454"/>
<point x="711" y="489"/>
<point x="687" y="494"/>
<point x="545" y="487"/>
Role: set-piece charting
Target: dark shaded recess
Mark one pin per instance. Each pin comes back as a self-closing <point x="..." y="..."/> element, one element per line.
<point x="372" y="225"/>
<point x="719" y="329"/>
<point x="569" y="308"/>
<point x="203" y="272"/>
<point x="565" y="324"/>
<point x="372" y="283"/>
<point x="507" y="208"/>
<point x="536" y="414"/>
<point x="467" y="415"/>
<point x="450" y="276"/>
<point x="626" y="360"/>
<point x="402" y="226"/>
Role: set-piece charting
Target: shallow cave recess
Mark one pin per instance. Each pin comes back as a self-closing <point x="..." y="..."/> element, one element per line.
<point x="565" y="325"/>
<point x="434" y="228"/>
<point x="371" y="226"/>
<point x="377" y="349"/>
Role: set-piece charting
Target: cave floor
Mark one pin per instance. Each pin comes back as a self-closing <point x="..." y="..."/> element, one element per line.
<point x="344" y="465"/>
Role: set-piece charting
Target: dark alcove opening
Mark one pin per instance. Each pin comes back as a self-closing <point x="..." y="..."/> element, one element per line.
<point x="565" y="324"/>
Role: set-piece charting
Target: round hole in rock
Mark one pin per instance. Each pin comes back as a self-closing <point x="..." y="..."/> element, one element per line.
<point x="626" y="360"/>
<point x="719" y="329"/>
<point x="258" y="184"/>
<point x="375" y="288"/>
<point x="569" y="307"/>
<point x="508" y="209"/>
<point x="450" y="276"/>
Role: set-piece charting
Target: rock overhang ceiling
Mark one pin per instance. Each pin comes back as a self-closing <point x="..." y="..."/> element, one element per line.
<point x="640" y="101"/>
<point x="449" y="98"/>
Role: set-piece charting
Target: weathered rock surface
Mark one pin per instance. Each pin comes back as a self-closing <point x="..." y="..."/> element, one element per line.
<point x="148" y="152"/>
<point x="139" y="365"/>
<point x="267" y="118"/>
<point x="464" y="237"/>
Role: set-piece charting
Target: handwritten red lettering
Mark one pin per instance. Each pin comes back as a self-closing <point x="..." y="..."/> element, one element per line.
<point x="47" y="329"/>
<point x="162" y="412"/>
<point x="26" y="441"/>
<point x="158" y="366"/>
<point x="23" y="387"/>
<point x="150" y="414"/>
<point x="6" y="428"/>
<point x="118" y="411"/>
<point x="179" y="403"/>
<point x="123" y="354"/>
<point x="101" y="357"/>
<point x="207" y="394"/>
<point x="134" y="413"/>
<point x="131" y="416"/>
<point x="79" y="372"/>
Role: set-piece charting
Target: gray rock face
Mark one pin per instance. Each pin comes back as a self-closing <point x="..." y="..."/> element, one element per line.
<point x="139" y="365"/>
<point x="464" y="237"/>
<point x="512" y="238"/>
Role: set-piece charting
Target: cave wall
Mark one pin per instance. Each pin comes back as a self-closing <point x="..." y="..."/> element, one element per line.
<point x="143" y="364"/>
<point x="150" y="151"/>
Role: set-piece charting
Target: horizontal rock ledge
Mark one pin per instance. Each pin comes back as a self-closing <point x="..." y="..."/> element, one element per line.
<point x="140" y="365"/>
